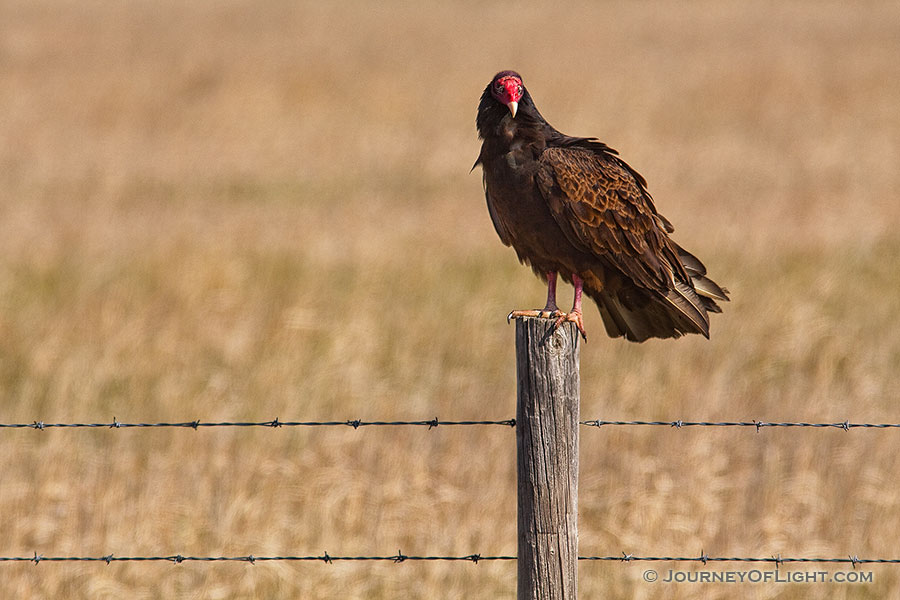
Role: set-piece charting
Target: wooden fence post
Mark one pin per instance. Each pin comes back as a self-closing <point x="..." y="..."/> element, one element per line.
<point x="547" y="415"/>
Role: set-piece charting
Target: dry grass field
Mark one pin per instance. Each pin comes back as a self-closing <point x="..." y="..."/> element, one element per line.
<point x="235" y="211"/>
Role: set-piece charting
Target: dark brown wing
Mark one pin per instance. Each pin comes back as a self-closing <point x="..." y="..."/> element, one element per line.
<point x="603" y="210"/>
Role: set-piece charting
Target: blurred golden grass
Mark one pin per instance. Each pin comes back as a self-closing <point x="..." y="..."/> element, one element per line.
<point x="226" y="210"/>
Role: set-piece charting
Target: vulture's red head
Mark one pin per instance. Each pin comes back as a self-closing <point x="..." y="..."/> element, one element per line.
<point x="507" y="89"/>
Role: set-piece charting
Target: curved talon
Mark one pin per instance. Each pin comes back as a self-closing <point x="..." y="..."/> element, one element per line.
<point x="572" y="317"/>
<point x="538" y="313"/>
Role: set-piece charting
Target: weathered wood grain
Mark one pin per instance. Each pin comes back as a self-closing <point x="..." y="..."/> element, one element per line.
<point x="547" y="414"/>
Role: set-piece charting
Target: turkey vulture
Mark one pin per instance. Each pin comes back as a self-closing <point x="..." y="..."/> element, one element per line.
<point x="571" y="206"/>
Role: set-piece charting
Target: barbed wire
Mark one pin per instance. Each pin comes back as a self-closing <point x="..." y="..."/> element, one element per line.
<point x="435" y="422"/>
<point x="777" y="560"/>
<point x="704" y="558"/>
<point x="179" y="558"/>
<point x="845" y="425"/>
<point x="399" y="557"/>
<point x="274" y="423"/>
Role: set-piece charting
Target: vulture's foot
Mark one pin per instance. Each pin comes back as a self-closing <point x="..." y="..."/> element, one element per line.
<point x="541" y="313"/>
<point x="560" y="317"/>
<point x="572" y="317"/>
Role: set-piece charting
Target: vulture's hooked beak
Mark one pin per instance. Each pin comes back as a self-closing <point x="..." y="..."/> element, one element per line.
<point x="513" y="106"/>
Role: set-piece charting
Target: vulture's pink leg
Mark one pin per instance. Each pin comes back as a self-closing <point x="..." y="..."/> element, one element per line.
<point x="575" y="315"/>
<point x="551" y="294"/>
<point x="550" y="311"/>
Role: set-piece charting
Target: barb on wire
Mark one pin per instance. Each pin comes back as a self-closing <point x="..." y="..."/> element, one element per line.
<point x="399" y="557"/>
